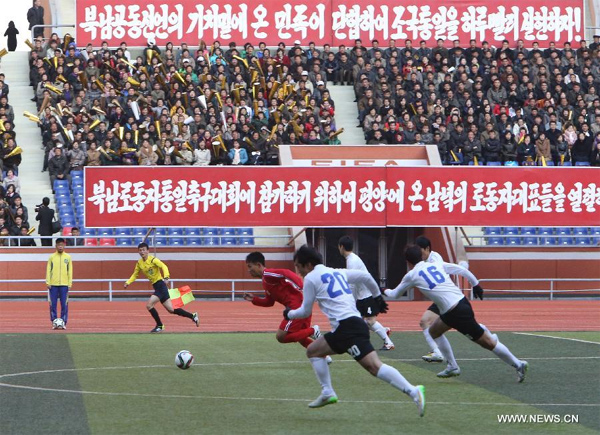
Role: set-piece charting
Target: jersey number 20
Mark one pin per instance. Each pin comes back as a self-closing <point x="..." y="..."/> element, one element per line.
<point x="437" y="276"/>
<point x="336" y="280"/>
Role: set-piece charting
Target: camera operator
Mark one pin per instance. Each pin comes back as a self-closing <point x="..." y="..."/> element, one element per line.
<point x="45" y="215"/>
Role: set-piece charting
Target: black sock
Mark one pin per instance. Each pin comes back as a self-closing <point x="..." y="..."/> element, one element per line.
<point x="156" y="317"/>
<point x="181" y="312"/>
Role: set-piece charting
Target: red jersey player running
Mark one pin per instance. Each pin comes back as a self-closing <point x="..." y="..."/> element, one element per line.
<point x="285" y="287"/>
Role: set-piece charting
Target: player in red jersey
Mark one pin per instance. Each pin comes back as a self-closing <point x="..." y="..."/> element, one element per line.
<point x="285" y="287"/>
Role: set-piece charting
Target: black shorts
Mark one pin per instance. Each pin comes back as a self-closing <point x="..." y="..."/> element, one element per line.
<point x="352" y="336"/>
<point x="161" y="290"/>
<point x="462" y="318"/>
<point x="367" y="307"/>
<point x="434" y="309"/>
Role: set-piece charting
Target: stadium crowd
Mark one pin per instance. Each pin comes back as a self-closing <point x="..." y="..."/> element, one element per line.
<point x="234" y="105"/>
<point x="230" y="105"/>
<point x="480" y="104"/>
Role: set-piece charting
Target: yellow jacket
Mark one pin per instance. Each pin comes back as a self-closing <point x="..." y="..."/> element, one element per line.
<point x="151" y="268"/>
<point x="59" y="271"/>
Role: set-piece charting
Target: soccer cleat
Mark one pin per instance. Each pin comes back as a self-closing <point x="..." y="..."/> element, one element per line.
<point x="63" y="326"/>
<point x="433" y="357"/>
<point x="449" y="372"/>
<point x="159" y="328"/>
<point x="420" y="399"/>
<point x="388" y="346"/>
<point x="54" y="326"/>
<point x="328" y="359"/>
<point x="323" y="400"/>
<point x="196" y="319"/>
<point x="317" y="332"/>
<point x="522" y="371"/>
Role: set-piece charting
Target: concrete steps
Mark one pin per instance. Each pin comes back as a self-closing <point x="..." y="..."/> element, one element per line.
<point x="346" y="114"/>
<point x="34" y="184"/>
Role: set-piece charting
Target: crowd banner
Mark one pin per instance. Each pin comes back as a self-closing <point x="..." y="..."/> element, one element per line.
<point x="341" y="196"/>
<point x="334" y="21"/>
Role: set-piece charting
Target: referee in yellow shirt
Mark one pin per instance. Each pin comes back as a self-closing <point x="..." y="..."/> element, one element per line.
<point x="59" y="278"/>
<point x="157" y="273"/>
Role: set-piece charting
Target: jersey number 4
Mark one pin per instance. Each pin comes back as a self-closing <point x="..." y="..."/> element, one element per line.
<point x="336" y="280"/>
<point x="435" y="275"/>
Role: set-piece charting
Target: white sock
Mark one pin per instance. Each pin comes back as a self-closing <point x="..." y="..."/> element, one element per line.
<point x="430" y="341"/>
<point x="505" y="355"/>
<point x="393" y="377"/>
<point x="446" y="350"/>
<point x="322" y="372"/>
<point x="378" y="329"/>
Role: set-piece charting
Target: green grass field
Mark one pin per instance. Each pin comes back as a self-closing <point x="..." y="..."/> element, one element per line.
<point x="250" y="384"/>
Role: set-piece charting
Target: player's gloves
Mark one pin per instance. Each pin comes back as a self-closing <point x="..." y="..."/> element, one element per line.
<point x="383" y="306"/>
<point x="478" y="292"/>
<point x="285" y="313"/>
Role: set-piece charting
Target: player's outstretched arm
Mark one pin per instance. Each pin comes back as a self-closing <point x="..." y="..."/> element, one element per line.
<point x="361" y="277"/>
<point x="403" y="287"/>
<point x="310" y="293"/>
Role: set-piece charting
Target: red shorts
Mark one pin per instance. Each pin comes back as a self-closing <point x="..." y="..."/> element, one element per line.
<point x="295" y="325"/>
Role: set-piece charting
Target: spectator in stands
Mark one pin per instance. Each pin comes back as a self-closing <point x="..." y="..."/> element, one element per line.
<point x="75" y="239"/>
<point x="58" y="167"/>
<point x="11" y="36"/>
<point x="35" y="16"/>
<point x="18" y="205"/>
<point x="10" y="195"/>
<point x="11" y="178"/>
<point x="25" y="239"/>
<point x="595" y="159"/>
<point x="76" y="157"/>
<point x="238" y="155"/>
<point x="45" y="215"/>
<point x="11" y="156"/>
<point x="582" y="149"/>
<point x="543" y="152"/>
<point x="93" y="155"/>
<point x="5" y="239"/>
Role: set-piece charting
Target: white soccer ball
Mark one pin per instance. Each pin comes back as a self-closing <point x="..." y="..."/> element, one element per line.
<point x="58" y="323"/>
<point x="184" y="359"/>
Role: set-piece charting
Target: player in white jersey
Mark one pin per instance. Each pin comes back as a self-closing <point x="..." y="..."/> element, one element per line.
<point x="349" y="333"/>
<point x="433" y="281"/>
<point x="365" y="303"/>
<point x="433" y="313"/>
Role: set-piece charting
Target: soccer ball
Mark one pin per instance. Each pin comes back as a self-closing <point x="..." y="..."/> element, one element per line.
<point x="58" y="323"/>
<point x="184" y="359"/>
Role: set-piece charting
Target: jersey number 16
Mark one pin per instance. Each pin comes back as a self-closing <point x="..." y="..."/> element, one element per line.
<point x="437" y="276"/>
<point x="336" y="280"/>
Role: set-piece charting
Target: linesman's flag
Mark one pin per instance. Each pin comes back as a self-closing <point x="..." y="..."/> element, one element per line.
<point x="181" y="296"/>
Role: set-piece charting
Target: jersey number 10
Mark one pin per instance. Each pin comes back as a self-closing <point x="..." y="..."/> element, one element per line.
<point x="332" y="280"/>
<point x="437" y="276"/>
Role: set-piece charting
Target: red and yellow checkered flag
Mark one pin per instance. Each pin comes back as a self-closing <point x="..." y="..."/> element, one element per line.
<point x="181" y="296"/>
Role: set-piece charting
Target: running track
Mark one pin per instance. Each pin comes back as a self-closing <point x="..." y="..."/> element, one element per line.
<point x="227" y="316"/>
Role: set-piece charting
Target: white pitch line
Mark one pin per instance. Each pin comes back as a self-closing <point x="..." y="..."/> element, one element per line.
<point x="266" y="399"/>
<point x="558" y="338"/>
<point x="256" y="363"/>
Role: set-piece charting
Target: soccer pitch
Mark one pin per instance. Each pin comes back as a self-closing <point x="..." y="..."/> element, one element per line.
<point x="247" y="383"/>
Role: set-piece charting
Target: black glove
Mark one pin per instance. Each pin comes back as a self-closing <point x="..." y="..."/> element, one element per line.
<point x="285" y="313"/>
<point x="383" y="306"/>
<point x="478" y="292"/>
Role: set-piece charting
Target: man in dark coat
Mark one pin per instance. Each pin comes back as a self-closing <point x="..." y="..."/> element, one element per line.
<point x="35" y="15"/>
<point x="45" y="216"/>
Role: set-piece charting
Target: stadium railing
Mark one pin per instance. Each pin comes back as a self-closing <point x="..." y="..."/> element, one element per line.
<point x="236" y="287"/>
<point x="114" y="287"/>
<point x="550" y="287"/>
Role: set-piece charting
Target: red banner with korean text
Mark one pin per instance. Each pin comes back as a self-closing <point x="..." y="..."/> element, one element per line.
<point x="328" y="21"/>
<point x="341" y="196"/>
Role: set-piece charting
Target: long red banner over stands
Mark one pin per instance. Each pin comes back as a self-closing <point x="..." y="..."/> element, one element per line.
<point x="327" y="21"/>
<point x="341" y="196"/>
